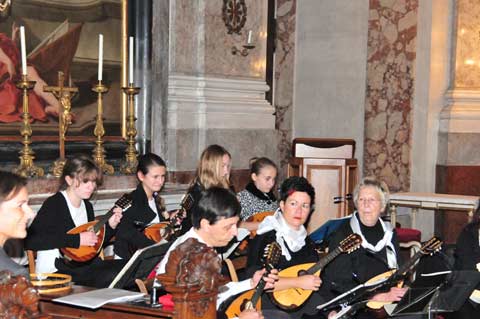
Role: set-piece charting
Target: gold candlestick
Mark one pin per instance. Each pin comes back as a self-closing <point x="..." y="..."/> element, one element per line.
<point x="130" y="164"/>
<point x="26" y="167"/>
<point x="99" y="131"/>
<point x="64" y="94"/>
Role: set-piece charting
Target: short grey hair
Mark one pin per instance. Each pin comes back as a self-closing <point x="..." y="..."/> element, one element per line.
<point x="379" y="186"/>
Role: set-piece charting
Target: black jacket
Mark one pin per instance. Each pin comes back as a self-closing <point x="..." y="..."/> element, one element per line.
<point x="53" y="221"/>
<point x="130" y="236"/>
<point x="195" y="192"/>
<point x="349" y="270"/>
<point x="49" y="231"/>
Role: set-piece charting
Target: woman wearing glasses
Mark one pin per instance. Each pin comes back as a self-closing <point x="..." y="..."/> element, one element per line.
<point x="378" y="252"/>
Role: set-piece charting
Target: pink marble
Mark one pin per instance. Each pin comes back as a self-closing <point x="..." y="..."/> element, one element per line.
<point x="389" y="98"/>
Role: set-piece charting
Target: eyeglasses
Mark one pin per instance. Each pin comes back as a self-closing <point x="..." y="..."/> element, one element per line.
<point x="367" y="200"/>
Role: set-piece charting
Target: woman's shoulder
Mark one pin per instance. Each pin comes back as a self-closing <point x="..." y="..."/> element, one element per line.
<point x="245" y="195"/>
<point x="55" y="199"/>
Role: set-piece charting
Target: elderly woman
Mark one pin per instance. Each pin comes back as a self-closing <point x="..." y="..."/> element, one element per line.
<point x="14" y="216"/>
<point x="286" y="227"/>
<point x="378" y="252"/>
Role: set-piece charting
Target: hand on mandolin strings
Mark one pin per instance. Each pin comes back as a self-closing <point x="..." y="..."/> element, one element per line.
<point x="394" y="294"/>
<point x="116" y="217"/>
<point x="88" y="238"/>
<point x="177" y="216"/>
<point x="309" y="282"/>
<point x="269" y="280"/>
<point x="250" y="314"/>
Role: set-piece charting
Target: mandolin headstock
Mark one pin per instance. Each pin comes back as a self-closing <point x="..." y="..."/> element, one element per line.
<point x="271" y="255"/>
<point x="351" y="243"/>
<point x="124" y="202"/>
<point x="431" y="246"/>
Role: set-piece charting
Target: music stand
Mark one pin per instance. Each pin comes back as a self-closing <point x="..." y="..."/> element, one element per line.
<point x="140" y="265"/>
<point x="436" y="293"/>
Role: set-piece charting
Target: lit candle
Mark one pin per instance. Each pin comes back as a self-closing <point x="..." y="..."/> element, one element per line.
<point x="100" y="56"/>
<point x="130" y="60"/>
<point x="249" y="38"/>
<point x="23" y="50"/>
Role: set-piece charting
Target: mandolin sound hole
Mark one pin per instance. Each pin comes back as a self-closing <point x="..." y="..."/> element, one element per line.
<point x="302" y="272"/>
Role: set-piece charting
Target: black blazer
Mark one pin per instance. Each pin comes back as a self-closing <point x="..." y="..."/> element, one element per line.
<point x="348" y="270"/>
<point x="130" y="236"/>
<point x="53" y="221"/>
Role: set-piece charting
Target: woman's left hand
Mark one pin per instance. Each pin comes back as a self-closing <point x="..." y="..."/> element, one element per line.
<point x="116" y="217"/>
<point x="269" y="280"/>
<point x="395" y="294"/>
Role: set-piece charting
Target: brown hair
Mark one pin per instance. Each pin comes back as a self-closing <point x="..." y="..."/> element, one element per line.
<point x="10" y="185"/>
<point x="81" y="168"/>
<point x="210" y="166"/>
<point x="258" y="163"/>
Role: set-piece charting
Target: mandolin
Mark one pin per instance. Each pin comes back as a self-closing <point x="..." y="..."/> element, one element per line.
<point x="257" y="217"/>
<point x="168" y="229"/>
<point x="293" y="298"/>
<point x="428" y="248"/>
<point x="251" y="298"/>
<point x="86" y="253"/>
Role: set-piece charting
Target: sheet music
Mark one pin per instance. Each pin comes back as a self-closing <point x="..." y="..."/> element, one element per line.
<point x="96" y="298"/>
<point x="132" y="261"/>
<point x="340" y="296"/>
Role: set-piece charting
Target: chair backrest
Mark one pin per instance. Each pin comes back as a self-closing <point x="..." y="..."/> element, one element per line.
<point x="235" y="265"/>
<point x="413" y="247"/>
<point x="31" y="256"/>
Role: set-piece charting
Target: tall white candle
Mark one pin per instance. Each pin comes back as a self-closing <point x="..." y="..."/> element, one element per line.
<point x="23" y="50"/>
<point x="100" y="56"/>
<point x="249" y="38"/>
<point x="130" y="60"/>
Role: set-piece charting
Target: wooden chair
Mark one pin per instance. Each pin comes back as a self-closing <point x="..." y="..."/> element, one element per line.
<point x="234" y="265"/>
<point x="412" y="247"/>
<point x="31" y="256"/>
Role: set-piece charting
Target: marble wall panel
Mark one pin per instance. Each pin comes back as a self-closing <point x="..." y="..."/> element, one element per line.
<point x="218" y="43"/>
<point x="467" y="61"/>
<point x="390" y="75"/>
<point x="242" y="145"/>
<point x="186" y="28"/>
<point x="463" y="149"/>
<point x="201" y="43"/>
<point x="284" y="79"/>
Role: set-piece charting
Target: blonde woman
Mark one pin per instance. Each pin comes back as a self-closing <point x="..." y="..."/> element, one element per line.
<point x="213" y="171"/>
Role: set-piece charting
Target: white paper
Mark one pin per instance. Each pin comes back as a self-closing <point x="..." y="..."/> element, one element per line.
<point x="96" y="298"/>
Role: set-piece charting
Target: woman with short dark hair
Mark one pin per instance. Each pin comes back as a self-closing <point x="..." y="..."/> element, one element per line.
<point x="286" y="227"/>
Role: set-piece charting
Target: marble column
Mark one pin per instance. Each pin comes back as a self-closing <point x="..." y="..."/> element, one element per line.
<point x="389" y="97"/>
<point x="458" y="167"/>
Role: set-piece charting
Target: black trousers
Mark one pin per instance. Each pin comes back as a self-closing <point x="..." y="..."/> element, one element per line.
<point x="97" y="273"/>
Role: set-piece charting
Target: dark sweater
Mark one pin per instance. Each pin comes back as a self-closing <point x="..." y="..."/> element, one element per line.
<point x="349" y="270"/>
<point x="130" y="236"/>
